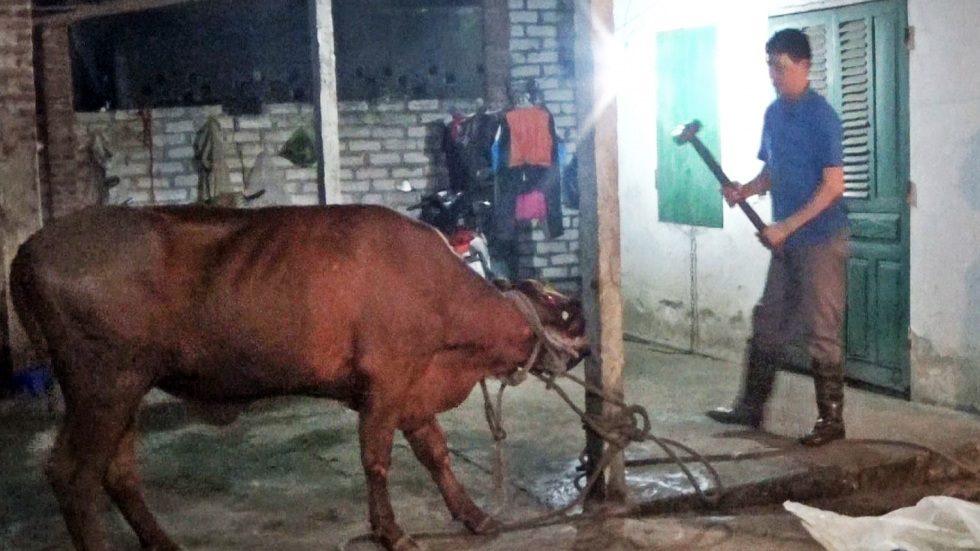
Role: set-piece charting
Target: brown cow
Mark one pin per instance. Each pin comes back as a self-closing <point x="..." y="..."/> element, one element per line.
<point x="355" y="303"/>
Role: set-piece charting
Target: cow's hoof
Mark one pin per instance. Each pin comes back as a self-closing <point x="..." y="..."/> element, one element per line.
<point x="488" y="525"/>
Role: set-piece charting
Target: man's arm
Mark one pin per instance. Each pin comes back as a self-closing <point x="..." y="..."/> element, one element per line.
<point x="756" y="186"/>
<point x="760" y="184"/>
<point x="830" y="191"/>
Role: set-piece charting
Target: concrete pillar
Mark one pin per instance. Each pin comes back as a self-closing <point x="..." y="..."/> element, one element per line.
<point x="599" y="224"/>
<point x="496" y="52"/>
<point x="64" y="188"/>
<point x="326" y="85"/>
<point x="20" y="199"/>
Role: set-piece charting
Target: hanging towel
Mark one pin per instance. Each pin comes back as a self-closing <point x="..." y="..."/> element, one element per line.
<point x="530" y="206"/>
<point x="300" y="148"/>
<point x="212" y="171"/>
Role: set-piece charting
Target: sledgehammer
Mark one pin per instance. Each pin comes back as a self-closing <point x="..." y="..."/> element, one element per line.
<point x="687" y="133"/>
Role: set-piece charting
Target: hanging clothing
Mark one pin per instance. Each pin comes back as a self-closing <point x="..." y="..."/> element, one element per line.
<point x="100" y="155"/>
<point x="532" y="139"/>
<point x="468" y="143"/>
<point x="212" y="170"/>
<point x="530" y="206"/>
<point x="536" y="169"/>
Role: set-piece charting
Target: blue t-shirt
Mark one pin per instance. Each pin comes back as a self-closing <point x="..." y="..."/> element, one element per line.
<point x="799" y="139"/>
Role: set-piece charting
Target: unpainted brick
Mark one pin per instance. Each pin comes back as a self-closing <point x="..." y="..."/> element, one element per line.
<point x="554" y="272"/>
<point x="371" y="173"/>
<point x="524" y="44"/>
<point x="423" y="105"/>
<point x="385" y="159"/>
<point x="415" y="158"/>
<point x="353" y="132"/>
<point x="387" y="132"/>
<point x="301" y="174"/>
<point x="542" y="4"/>
<point x="541" y="31"/>
<point x="364" y="145"/>
<point x="525" y="71"/>
<point x="517" y="16"/>
<point x="352" y="106"/>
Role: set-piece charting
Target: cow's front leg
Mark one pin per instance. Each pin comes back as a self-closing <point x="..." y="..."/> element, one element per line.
<point x="429" y="444"/>
<point x="376" y="430"/>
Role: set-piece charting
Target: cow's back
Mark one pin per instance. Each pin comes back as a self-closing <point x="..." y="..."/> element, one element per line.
<point x="252" y="302"/>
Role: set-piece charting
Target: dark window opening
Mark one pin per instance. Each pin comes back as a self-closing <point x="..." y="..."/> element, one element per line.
<point x="409" y="49"/>
<point x="238" y="53"/>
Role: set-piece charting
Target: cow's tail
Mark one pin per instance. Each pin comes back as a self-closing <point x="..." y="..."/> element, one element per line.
<point x="26" y="297"/>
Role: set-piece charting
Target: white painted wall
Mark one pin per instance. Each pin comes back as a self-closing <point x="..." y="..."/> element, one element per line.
<point x="729" y="263"/>
<point x="944" y="113"/>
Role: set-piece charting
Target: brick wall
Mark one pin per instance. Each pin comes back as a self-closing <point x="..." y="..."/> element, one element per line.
<point x="20" y="206"/>
<point x="174" y="179"/>
<point x="542" y="49"/>
<point x="381" y="146"/>
<point x="17" y="94"/>
<point x="385" y="144"/>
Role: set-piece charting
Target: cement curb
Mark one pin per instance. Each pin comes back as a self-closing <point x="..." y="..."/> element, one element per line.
<point x="821" y="482"/>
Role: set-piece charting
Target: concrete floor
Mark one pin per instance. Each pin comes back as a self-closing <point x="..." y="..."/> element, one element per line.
<point x="286" y="475"/>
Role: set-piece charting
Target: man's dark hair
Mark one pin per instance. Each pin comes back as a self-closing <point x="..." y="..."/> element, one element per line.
<point x="792" y="42"/>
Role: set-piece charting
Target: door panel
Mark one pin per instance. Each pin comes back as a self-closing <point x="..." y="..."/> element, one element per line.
<point x="861" y="66"/>
<point x="856" y="322"/>
<point x="891" y="333"/>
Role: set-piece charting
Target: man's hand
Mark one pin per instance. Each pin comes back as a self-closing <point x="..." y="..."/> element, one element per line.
<point x="735" y="192"/>
<point x="774" y="235"/>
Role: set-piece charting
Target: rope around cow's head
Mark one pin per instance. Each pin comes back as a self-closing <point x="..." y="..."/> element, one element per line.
<point x="556" y="353"/>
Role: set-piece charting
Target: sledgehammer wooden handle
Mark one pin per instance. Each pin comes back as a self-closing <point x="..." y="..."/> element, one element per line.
<point x="688" y="134"/>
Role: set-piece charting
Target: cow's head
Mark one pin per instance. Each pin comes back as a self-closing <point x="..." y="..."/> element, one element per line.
<point x="562" y="325"/>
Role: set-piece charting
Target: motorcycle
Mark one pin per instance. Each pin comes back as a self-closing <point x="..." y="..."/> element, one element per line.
<point x="460" y="219"/>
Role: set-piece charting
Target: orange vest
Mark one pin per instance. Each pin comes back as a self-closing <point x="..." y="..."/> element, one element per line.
<point x="530" y="137"/>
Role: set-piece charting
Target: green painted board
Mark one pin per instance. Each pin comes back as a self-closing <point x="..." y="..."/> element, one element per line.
<point x="687" y="192"/>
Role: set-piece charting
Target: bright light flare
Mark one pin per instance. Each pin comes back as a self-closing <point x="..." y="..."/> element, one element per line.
<point x="610" y="70"/>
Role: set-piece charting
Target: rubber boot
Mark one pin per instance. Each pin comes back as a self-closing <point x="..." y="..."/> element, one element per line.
<point x="828" y="381"/>
<point x="749" y="409"/>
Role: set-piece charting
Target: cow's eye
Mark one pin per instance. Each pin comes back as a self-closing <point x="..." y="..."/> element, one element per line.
<point x="565" y="315"/>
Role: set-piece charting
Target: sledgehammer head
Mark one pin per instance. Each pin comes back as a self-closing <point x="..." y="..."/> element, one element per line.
<point x="683" y="133"/>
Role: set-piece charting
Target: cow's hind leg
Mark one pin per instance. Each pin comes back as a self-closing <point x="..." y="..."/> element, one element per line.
<point x="429" y="444"/>
<point x="376" y="431"/>
<point x="97" y="414"/>
<point x="122" y="484"/>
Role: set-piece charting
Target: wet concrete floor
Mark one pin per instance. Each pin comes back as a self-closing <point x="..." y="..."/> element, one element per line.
<point x="287" y="475"/>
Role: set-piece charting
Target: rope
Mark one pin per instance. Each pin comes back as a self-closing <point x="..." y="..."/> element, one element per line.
<point x="496" y="423"/>
<point x="632" y="424"/>
<point x="555" y="352"/>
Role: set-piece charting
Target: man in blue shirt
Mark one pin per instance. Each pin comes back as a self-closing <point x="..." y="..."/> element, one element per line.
<point x="802" y="152"/>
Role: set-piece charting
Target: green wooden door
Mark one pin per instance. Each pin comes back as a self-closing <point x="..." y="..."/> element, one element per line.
<point x="861" y="65"/>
